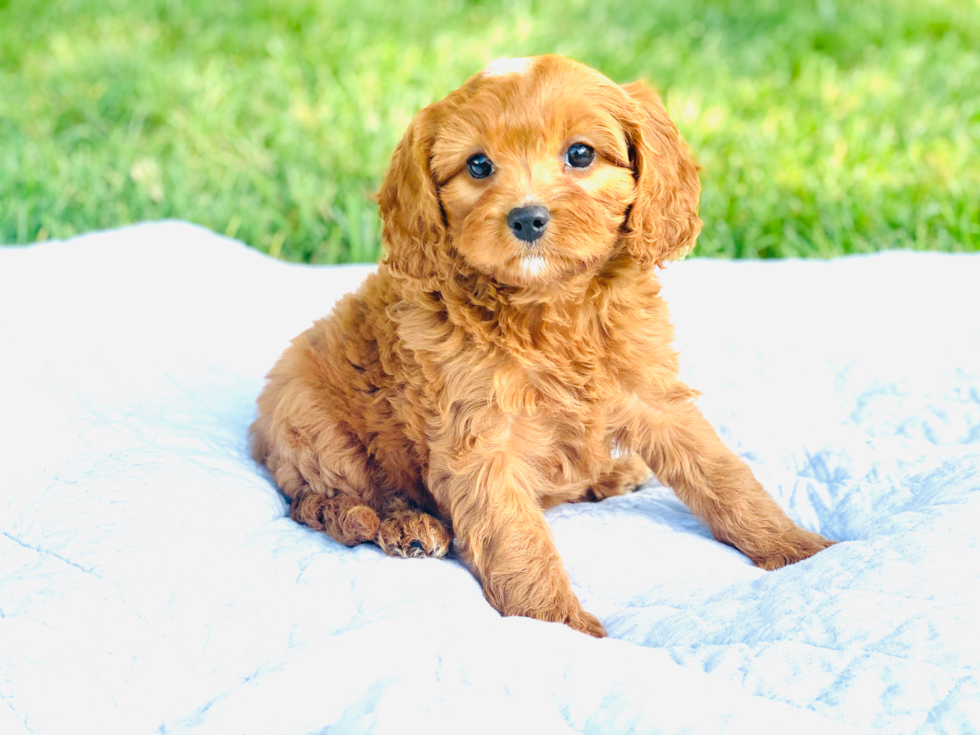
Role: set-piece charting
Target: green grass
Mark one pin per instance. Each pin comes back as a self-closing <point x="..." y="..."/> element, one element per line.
<point x="821" y="127"/>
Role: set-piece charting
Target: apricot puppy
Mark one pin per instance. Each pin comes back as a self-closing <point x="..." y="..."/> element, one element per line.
<point x="512" y="351"/>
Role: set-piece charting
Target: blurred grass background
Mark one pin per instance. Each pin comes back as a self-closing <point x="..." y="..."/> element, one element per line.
<point x="822" y="127"/>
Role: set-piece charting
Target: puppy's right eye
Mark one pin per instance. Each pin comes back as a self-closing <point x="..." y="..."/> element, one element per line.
<point x="479" y="166"/>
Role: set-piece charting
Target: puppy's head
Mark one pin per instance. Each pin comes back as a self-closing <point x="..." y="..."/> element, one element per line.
<point x="534" y="170"/>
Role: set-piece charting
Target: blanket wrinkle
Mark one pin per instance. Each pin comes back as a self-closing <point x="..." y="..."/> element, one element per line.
<point x="45" y="552"/>
<point x="762" y="645"/>
<point x="954" y="696"/>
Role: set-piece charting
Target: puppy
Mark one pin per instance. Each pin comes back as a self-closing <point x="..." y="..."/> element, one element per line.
<point x="512" y="351"/>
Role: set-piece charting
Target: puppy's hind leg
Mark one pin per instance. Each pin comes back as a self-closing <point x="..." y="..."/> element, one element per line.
<point x="325" y="475"/>
<point x="344" y="518"/>
<point x="342" y="504"/>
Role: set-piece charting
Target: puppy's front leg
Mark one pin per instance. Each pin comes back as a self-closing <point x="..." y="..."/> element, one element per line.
<point x="686" y="454"/>
<point x="504" y="538"/>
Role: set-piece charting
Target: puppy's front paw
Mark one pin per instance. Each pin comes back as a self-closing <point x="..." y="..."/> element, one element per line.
<point x="409" y="533"/>
<point x="570" y="613"/>
<point x="788" y="548"/>
<point x="586" y="623"/>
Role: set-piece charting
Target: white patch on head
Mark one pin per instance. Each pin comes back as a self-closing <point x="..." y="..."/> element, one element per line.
<point x="500" y="67"/>
<point x="533" y="264"/>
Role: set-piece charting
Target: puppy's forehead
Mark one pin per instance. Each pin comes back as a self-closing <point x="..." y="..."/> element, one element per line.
<point x="545" y="96"/>
<point x="516" y="84"/>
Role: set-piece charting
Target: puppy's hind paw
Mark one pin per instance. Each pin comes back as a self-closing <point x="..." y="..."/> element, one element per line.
<point x="410" y="533"/>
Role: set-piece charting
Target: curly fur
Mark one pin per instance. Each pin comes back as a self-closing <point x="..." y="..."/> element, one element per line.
<point x="476" y="380"/>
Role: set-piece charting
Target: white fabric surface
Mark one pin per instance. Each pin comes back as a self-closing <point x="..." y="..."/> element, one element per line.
<point x="151" y="581"/>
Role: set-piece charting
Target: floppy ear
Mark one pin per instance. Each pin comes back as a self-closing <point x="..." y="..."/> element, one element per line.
<point x="413" y="224"/>
<point x="663" y="222"/>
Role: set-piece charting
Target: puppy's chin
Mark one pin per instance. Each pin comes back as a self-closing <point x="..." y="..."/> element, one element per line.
<point x="534" y="264"/>
<point x="533" y="267"/>
<point x="541" y="268"/>
<point x="525" y="267"/>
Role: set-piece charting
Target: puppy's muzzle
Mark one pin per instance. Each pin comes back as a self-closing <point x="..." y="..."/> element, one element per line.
<point x="528" y="223"/>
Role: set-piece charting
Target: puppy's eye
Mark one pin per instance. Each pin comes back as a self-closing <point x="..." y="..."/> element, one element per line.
<point x="580" y="155"/>
<point x="479" y="166"/>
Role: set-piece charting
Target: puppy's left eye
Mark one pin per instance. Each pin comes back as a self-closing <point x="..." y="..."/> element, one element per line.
<point x="580" y="155"/>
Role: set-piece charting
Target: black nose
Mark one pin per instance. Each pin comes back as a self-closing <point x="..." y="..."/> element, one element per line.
<point x="528" y="223"/>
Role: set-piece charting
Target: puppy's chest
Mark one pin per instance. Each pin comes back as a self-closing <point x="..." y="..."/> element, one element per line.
<point x="561" y="422"/>
<point x="566" y="413"/>
<point x="528" y="388"/>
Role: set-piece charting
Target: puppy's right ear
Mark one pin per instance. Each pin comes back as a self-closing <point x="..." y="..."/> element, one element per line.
<point x="413" y="224"/>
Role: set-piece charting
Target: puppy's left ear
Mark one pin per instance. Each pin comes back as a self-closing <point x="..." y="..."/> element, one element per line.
<point x="663" y="222"/>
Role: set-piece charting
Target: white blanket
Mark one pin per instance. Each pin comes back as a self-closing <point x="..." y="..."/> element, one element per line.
<point x="151" y="581"/>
